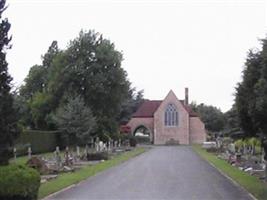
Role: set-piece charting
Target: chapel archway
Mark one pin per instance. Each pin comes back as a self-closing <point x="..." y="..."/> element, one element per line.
<point x="143" y="131"/>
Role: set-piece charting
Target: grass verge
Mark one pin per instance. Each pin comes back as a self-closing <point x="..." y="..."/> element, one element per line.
<point x="67" y="179"/>
<point x="251" y="183"/>
<point x="21" y="160"/>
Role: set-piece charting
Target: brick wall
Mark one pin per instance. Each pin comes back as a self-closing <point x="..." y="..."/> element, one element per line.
<point x="197" y="131"/>
<point x="164" y="133"/>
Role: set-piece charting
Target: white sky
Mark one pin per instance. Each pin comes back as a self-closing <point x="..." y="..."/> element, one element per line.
<point x="166" y="44"/>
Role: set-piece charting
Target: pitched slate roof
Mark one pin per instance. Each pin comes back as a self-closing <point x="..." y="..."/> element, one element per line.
<point x="190" y="111"/>
<point x="148" y="108"/>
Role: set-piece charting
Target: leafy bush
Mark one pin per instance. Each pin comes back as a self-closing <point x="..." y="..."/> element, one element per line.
<point x="212" y="150"/>
<point x="239" y="144"/>
<point x="143" y="140"/>
<point x="97" y="156"/>
<point x="226" y="141"/>
<point x="19" y="182"/>
<point x="172" y="142"/>
<point x="132" y="141"/>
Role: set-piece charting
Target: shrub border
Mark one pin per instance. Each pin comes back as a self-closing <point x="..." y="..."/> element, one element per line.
<point x="238" y="177"/>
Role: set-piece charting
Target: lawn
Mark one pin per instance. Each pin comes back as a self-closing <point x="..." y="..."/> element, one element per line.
<point x="67" y="179"/>
<point x="24" y="159"/>
<point x="250" y="183"/>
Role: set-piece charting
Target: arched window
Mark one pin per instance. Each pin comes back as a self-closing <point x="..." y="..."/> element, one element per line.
<point x="171" y="116"/>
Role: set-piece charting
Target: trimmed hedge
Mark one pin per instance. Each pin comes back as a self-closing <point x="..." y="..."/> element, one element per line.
<point x="132" y="141"/>
<point x="40" y="141"/>
<point x="143" y="140"/>
<point x="18" y="182"/>
<point x="97" y="156"/>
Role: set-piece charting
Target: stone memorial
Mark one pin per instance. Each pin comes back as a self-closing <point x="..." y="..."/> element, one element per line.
<point x="29" y="152"/>
<point x="78" y="151"/>
<point x="15" y="153"/>
<point x="58" y="158"/>
<point x="109" y="147"/>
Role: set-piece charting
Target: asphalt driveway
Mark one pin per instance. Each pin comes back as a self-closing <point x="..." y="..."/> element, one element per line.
<point x="165" y="172"/>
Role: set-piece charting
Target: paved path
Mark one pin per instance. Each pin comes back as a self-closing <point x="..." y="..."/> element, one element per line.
<point x="161" y="173"/>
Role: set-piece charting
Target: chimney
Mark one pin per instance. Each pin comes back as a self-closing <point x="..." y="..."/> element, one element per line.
<point x="186" y="96"/>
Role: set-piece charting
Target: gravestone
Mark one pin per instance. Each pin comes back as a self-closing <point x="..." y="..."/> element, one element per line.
<point x="97" y="148"/>
<point x="109" y="143"/>
<point x="58" y="158"/>
<point x="231" y="148"/>
<point x="66" y="155"/>
<point x="101" y="146"/>
<point x="38" y="164"/>
<point x="208" y="145"/>
<point x="86" y="149"/>
<point x="15" y="153"/>
<point x="78" y="151"/>
<point x="92" y="143"/>
<point x="29" y="152"/>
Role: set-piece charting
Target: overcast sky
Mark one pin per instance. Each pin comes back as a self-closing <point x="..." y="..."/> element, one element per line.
<point x="166" y="44"/>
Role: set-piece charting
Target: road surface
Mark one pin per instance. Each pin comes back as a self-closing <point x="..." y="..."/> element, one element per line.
<point x="165" y="172"/>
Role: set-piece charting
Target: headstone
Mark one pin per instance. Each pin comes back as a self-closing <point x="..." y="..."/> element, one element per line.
<point x="92" y="143"/>
<point x="58" y="158"/>
<point x="29" y="152"/>
<point x="78" y="151"/>
<point x="116" y="144"/>
<point x="15" y="153"/>
<point x="111" y="144"/>
<point x="67" y="156"/>
<point x="207" y="145"/>
<point x="101" y="146"/>
<point x="106" y="146"/>
<point x="38" y="164"/>
<point x="219" y="142"/>
<point x="231" y="148"/>
<point x="85" y="149"/>
<point x="245" y="150"/>
<point x="109" y="147"/>
<point x="97" y="144"/>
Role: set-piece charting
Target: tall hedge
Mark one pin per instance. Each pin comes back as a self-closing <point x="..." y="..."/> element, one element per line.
<point x="40" y="141"/>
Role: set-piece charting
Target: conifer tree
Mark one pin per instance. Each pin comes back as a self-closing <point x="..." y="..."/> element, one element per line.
<point x="8" y="127"/>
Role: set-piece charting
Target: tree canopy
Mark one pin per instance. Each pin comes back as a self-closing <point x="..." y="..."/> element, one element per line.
<point x="75" y="119"/>
<point x="91" y="67"/>
<point x="212" y="117"/>
<point x="251" y="93"/>
<point x="8" y="120"/>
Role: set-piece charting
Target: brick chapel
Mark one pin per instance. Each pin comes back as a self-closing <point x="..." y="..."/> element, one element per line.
<point x="169" y="120"/>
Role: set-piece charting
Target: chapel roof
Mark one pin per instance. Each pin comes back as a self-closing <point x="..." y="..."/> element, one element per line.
<point x="149" y="107"/>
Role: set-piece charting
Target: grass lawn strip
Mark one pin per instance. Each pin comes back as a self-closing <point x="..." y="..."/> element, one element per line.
<point x="67" y="179"/>
<point x="251" y="183"/>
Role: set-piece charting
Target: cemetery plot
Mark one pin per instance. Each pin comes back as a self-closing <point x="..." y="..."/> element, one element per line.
<point x="245" y="155"/>
<point x="71" y="160"/>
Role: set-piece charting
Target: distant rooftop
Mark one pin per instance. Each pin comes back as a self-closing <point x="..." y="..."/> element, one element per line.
<point x="149" y="107"/>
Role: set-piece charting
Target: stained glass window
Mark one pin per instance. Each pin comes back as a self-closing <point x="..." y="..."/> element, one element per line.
<point x="171" y="116"/>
